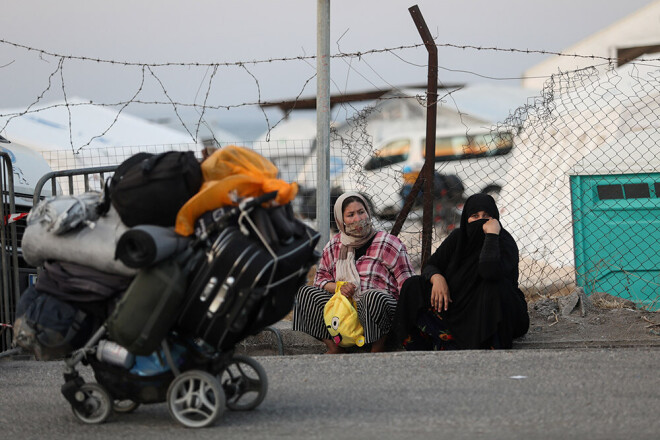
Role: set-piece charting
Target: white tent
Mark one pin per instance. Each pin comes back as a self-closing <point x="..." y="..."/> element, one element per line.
<point x="638" y="151"/>
<point x="275" y="143"/>
<point x="287" y="145"/>
<point x="82" y="134"/>
<point x="557" y="136"/>
<point x="489" y="102"/>
<point x="635" y="33"/>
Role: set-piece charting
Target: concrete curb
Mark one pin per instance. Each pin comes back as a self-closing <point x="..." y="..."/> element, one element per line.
<point x="265" y="343"/>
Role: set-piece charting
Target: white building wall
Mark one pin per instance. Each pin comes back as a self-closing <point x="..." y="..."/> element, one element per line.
<point x="642" y="28"/>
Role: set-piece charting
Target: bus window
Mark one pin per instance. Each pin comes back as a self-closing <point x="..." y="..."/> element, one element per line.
<point x="477" y="146"/>
<point x="394" y="152"/>
<point x="473" y="147"/>
<point x="447" y="148"/>
<point x="492" y="144"/>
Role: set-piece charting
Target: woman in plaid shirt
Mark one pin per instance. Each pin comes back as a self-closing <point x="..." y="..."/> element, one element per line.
<point x="374" y="265"/>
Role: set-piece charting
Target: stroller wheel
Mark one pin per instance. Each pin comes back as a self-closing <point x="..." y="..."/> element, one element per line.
<point x="195" y="399"/>
<point x="245" y="383"/>
<point x="124" y="406"/>
<point x="96" y="401"/>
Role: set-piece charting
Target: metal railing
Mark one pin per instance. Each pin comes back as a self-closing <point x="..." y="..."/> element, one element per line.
<point x="70" y="180"/>
<point x="9" y="255"/>
<point x="74" y="182"/>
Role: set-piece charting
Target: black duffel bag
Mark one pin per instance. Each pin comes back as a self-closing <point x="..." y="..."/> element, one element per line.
<point x="151" y="188"/>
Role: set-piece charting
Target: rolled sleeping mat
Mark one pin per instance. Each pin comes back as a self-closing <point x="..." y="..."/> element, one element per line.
<point x="145" y="245"/>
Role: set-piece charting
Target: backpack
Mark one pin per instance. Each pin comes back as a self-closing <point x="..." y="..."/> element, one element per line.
<point x="151" y="188"/>
<point x="149" y="307"/>
<point x="51" y="328"/>
<point x="341" y="320"/>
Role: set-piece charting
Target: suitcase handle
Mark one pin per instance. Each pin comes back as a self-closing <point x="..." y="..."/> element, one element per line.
<point x="250" y="203"/>
<point x="244" y="206"/>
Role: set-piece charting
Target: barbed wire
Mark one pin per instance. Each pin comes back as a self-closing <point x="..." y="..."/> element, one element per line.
<point x="119" y="112"/>
<point x="242" y="64"/>
<point x="357" y="54"/>
<point x="171" y="102"/>
<point x="204" y="107"/>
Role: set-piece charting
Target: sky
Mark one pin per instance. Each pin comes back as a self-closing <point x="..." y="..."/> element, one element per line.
<point x="233" y="32"/>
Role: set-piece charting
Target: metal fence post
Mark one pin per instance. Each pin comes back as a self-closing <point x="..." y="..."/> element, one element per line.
<point x="323" y="120"/>
<point x="431" y="115"/>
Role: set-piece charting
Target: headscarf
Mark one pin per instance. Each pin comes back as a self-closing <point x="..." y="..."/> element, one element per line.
<point x="479" y="202"/>
<point x="345" y="269"/>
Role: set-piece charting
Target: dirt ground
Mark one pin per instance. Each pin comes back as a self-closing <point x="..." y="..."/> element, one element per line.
<point x="596" y="321"/>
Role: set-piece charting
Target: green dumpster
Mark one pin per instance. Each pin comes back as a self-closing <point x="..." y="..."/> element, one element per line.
<point x="615" y="195"/>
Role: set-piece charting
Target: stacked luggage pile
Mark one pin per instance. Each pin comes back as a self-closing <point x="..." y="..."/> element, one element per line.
<point x="153" y="283"/>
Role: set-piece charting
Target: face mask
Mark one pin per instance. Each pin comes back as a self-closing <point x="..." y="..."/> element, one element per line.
<point x="359" y="228"/>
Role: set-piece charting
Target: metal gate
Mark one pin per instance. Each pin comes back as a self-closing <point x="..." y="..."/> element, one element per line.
<point x="14" y="277"/>
<point x="9" y="253"/>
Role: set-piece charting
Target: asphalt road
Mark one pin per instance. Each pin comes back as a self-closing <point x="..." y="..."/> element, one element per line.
<point x="523" y="394"/>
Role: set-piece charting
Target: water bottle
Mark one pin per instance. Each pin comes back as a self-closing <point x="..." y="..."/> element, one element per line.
<point x="113" y="353"/>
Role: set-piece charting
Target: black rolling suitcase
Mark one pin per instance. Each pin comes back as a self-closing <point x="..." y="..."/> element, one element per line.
<point x="248" y="281"/>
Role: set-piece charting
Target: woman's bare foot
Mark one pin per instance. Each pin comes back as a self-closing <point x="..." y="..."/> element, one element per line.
<point x="332" y="347"/>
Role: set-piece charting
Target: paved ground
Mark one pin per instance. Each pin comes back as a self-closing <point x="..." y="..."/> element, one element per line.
<point x="509" y="394"/>
<point x="582" y="371"/>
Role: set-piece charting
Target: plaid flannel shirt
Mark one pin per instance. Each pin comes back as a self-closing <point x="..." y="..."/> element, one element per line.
<point x="385" y="265"/>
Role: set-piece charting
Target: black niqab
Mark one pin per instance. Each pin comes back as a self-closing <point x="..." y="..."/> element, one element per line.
<point x="472" y="233"/>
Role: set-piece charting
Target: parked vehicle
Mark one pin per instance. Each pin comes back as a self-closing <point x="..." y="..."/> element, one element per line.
<point x="478" y="157"/>
<point x="28" y="167"/>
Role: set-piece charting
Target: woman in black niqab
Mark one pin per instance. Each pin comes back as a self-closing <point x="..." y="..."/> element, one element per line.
<point x="483" y="306"/>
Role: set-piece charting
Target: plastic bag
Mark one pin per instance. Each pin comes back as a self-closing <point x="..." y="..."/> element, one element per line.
<point x="230" y="175"/>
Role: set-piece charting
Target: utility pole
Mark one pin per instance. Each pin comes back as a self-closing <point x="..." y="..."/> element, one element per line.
<point x="323" y="120"/>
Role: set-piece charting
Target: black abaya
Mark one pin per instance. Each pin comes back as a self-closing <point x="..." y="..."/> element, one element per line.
<point x="482" y="274"/>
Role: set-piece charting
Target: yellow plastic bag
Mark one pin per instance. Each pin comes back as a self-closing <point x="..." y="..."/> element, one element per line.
<point x="231" y="174"/>
<point x="341" y="320"/>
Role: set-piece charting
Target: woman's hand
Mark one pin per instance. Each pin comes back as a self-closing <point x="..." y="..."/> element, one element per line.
<point x="492" y="226"/>
<point x="348" y="290"/>
<point x="440" y="298"/>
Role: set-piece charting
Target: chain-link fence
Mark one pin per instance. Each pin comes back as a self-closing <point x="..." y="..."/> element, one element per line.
<point x="582" y="196"/>
<point x="574" y="171"/>
<point x="288" y="155"/>
<point x="60" y="160"/>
